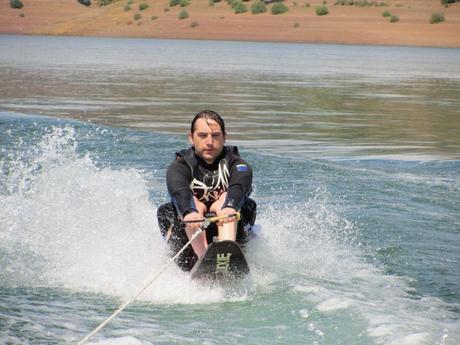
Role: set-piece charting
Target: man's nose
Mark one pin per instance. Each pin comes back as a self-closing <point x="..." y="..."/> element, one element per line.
<point x="209" y="139"/>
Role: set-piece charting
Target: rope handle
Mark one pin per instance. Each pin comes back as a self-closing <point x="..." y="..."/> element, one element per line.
<point x="214" y="219"/>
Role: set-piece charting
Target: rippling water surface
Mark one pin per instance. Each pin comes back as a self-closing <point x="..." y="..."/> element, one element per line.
<point x="356" y="157"/>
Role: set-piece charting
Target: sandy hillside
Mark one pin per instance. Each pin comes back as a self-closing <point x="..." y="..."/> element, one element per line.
<point x="343" y="24"/>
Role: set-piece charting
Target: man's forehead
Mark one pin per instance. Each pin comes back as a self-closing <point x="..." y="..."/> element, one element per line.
<point x="207" y="125"/>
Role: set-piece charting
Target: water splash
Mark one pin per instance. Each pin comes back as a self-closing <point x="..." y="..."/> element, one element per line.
<point x="69" y="223"/>
<point x="313" y="252"/>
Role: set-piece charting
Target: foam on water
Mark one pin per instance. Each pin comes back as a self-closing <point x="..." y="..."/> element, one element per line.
<point x="313" y="250"/>
<point x="68" y="223"/>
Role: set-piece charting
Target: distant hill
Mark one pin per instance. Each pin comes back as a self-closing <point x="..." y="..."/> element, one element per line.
<point x="407" y="22"/>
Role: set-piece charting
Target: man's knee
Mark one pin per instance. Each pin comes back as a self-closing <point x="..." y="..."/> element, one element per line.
<point x="249" y="212"/>
<point x="166" y="216"/>
<point x="200" y="207"/>
<point x="217" y="205"/>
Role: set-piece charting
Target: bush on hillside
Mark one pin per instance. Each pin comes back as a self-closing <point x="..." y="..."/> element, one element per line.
<point x="258" y="7"/>
<point x="394" y="19"/>
<point x="359" y="3"/>
<point x="16" y="4"/>
<point x="446" y="2"/>
<point x="232" y="3"/>
<point x="183" y="14"/>
<point x="85" y="2"/>
<point x="143" y="6"/>
<point x="184" y="3"/>
<point x="279" y="8"/>
<point x="386" y="14"/>
<point x="322" y="10"/>
<point x="173" y="3"/>
<point x="104" y="2"/>
<point x="239" y="7"/>
<point x="437" y="18"/>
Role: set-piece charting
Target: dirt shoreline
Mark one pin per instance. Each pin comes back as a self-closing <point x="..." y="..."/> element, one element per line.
<point x="343" y="25"/>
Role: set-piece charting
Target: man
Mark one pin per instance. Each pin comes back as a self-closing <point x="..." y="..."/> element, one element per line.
<point x="208" y="177"/>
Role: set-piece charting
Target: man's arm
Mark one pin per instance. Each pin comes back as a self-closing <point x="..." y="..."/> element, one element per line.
<point x="178" y="177"/>
<point x="240" y="184"/>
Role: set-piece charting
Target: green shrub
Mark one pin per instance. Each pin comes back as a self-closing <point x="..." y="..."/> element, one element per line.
<point x="239" y="7"/>
<point x="386" y="14"/>
<point x="127" y="8"/>
<point x="437" y="18"/>
<point x="296" y="25"/>
<point x="16" y="4"/>
<point x="173" y="3"/>
<point x="193" y="24"/>
<point x="184" y="3"/>
<point x="363" y="3"/>
<point x="359" y="3"/>
<point x="258" y="7"/>
<point x="232" y="3"/>
<point x="183" y="14"/>
<point x="154" y="17"/>
<point x="22" y="15"/>
<point x="279" y="8"/>
<point x="322" y="10"/>
<point x="85" y="2"/>
<point x="137" y="16"/>
<point x="446" y="2"/>
<point x="394" y="19"/>
<point x="104" y="2"/>
<point x="143" y="6"/>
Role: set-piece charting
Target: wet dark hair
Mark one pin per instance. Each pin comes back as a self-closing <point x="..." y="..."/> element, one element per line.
<point x="208" y="115"/>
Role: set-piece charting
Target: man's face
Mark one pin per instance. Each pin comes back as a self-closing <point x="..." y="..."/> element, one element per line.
<point x="208" y="139"/>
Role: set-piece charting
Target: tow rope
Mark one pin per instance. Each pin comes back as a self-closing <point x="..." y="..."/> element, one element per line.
<point x="206" y="223"/>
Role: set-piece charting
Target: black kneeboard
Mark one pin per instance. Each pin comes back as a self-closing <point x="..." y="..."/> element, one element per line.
<point x="222" y="260"/>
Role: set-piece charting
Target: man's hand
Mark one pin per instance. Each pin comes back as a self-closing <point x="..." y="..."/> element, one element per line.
<point x="193" y="217"/>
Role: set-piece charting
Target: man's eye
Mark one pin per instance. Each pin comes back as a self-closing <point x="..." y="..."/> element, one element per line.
<point x="216" y="135"/>
<point x="202" y="136"/>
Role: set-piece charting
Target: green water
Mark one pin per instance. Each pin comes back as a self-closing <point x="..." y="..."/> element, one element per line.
<point x="317" y="101"/>
<point x="355" y="152"/>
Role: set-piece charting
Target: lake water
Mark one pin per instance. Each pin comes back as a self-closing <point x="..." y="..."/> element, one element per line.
<point x="356" y="154"/>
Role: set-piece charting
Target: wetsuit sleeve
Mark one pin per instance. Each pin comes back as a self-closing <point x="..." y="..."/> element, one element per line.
<point x="240" y="184"/>
<point x="178" y="177"/>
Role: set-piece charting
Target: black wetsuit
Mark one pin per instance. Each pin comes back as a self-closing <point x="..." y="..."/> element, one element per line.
<point x="188" y="176"/>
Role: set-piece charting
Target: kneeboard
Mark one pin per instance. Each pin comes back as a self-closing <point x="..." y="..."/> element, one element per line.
<point x="222" y="259"/>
